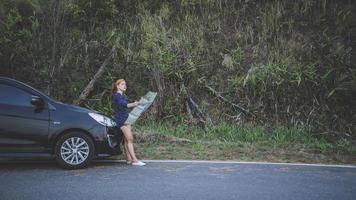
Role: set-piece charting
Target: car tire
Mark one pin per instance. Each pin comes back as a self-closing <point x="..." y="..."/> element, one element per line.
<point x="74" y="150"/>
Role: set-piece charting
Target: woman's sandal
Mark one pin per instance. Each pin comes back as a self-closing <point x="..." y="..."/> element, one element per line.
<point x="138" y="163"/>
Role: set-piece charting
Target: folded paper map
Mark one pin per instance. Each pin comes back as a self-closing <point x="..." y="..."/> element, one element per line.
<point x="145" y="102"/>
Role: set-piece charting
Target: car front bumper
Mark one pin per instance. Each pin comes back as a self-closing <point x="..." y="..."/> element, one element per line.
<point x="107" y="141"/>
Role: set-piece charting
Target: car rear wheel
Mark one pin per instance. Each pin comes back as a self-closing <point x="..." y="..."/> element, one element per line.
<point x="74" y="150"/>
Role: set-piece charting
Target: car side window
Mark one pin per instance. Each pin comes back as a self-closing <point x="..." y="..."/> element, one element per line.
<point x="11" y="95"/>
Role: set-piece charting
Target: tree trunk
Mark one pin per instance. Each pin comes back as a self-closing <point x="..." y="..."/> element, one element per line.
<point x="85" y="93"/>
<point x="160" y="86"/>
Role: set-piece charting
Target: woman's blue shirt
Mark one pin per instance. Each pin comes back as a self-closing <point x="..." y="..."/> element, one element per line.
<point x="120" y="108"/>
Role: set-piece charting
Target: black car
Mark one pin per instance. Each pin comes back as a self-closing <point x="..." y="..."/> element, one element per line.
<point x="32" y="124"/>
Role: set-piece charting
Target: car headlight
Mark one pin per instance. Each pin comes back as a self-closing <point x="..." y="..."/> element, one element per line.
<point x="103" y="120"/>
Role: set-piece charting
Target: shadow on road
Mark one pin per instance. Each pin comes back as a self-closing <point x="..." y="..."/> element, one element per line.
<point x="30" y="164"/>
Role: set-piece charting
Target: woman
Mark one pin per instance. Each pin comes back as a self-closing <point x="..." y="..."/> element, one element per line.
<point x="120" y="106"/>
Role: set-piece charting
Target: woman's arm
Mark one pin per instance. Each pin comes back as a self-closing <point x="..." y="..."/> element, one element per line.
<point x="134" y="104"/>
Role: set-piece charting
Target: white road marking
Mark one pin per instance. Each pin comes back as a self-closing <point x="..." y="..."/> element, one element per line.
<point x="232" y="162"/>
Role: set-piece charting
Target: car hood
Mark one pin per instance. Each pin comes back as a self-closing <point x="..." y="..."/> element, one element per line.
<point x="79" y="109"/>
<point x="75" y="108"/>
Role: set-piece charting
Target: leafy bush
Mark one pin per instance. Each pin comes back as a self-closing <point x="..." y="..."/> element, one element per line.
<point x="286" y="62"/>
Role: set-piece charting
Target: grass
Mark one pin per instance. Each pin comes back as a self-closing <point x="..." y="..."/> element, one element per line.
<point x="232" y="142"/>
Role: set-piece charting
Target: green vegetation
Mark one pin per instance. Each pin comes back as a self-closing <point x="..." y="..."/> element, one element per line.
<point x="229" y="69"/>
<point x="278" y="137"/>
<point x="233" y="142"/>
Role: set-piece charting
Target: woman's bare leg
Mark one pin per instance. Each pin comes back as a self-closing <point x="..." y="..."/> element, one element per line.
<point x="127" y="153"/>
<point x="126" y="129"/>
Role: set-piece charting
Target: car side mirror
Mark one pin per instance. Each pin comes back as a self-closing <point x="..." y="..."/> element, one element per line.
<point x="37" y="101"/>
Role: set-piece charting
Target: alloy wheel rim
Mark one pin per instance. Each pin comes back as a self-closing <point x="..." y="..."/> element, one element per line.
<point x="74" y="150"/>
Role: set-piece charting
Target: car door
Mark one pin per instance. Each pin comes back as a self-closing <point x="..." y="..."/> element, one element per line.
<point x="23" y="126"/>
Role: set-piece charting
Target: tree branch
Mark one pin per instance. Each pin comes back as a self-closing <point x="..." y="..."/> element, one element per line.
<point x="241" y="109"/>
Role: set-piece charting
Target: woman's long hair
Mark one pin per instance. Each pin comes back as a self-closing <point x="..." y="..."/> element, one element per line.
<point x="114" y="85"/>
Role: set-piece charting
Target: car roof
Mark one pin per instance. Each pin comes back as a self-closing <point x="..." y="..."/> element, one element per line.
<point x="11" y="80"/>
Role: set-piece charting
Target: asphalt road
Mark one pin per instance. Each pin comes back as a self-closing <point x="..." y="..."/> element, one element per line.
<point x="161" y="181"/>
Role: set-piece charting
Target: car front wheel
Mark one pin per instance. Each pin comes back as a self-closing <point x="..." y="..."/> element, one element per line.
<point x="74" y="150"/>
